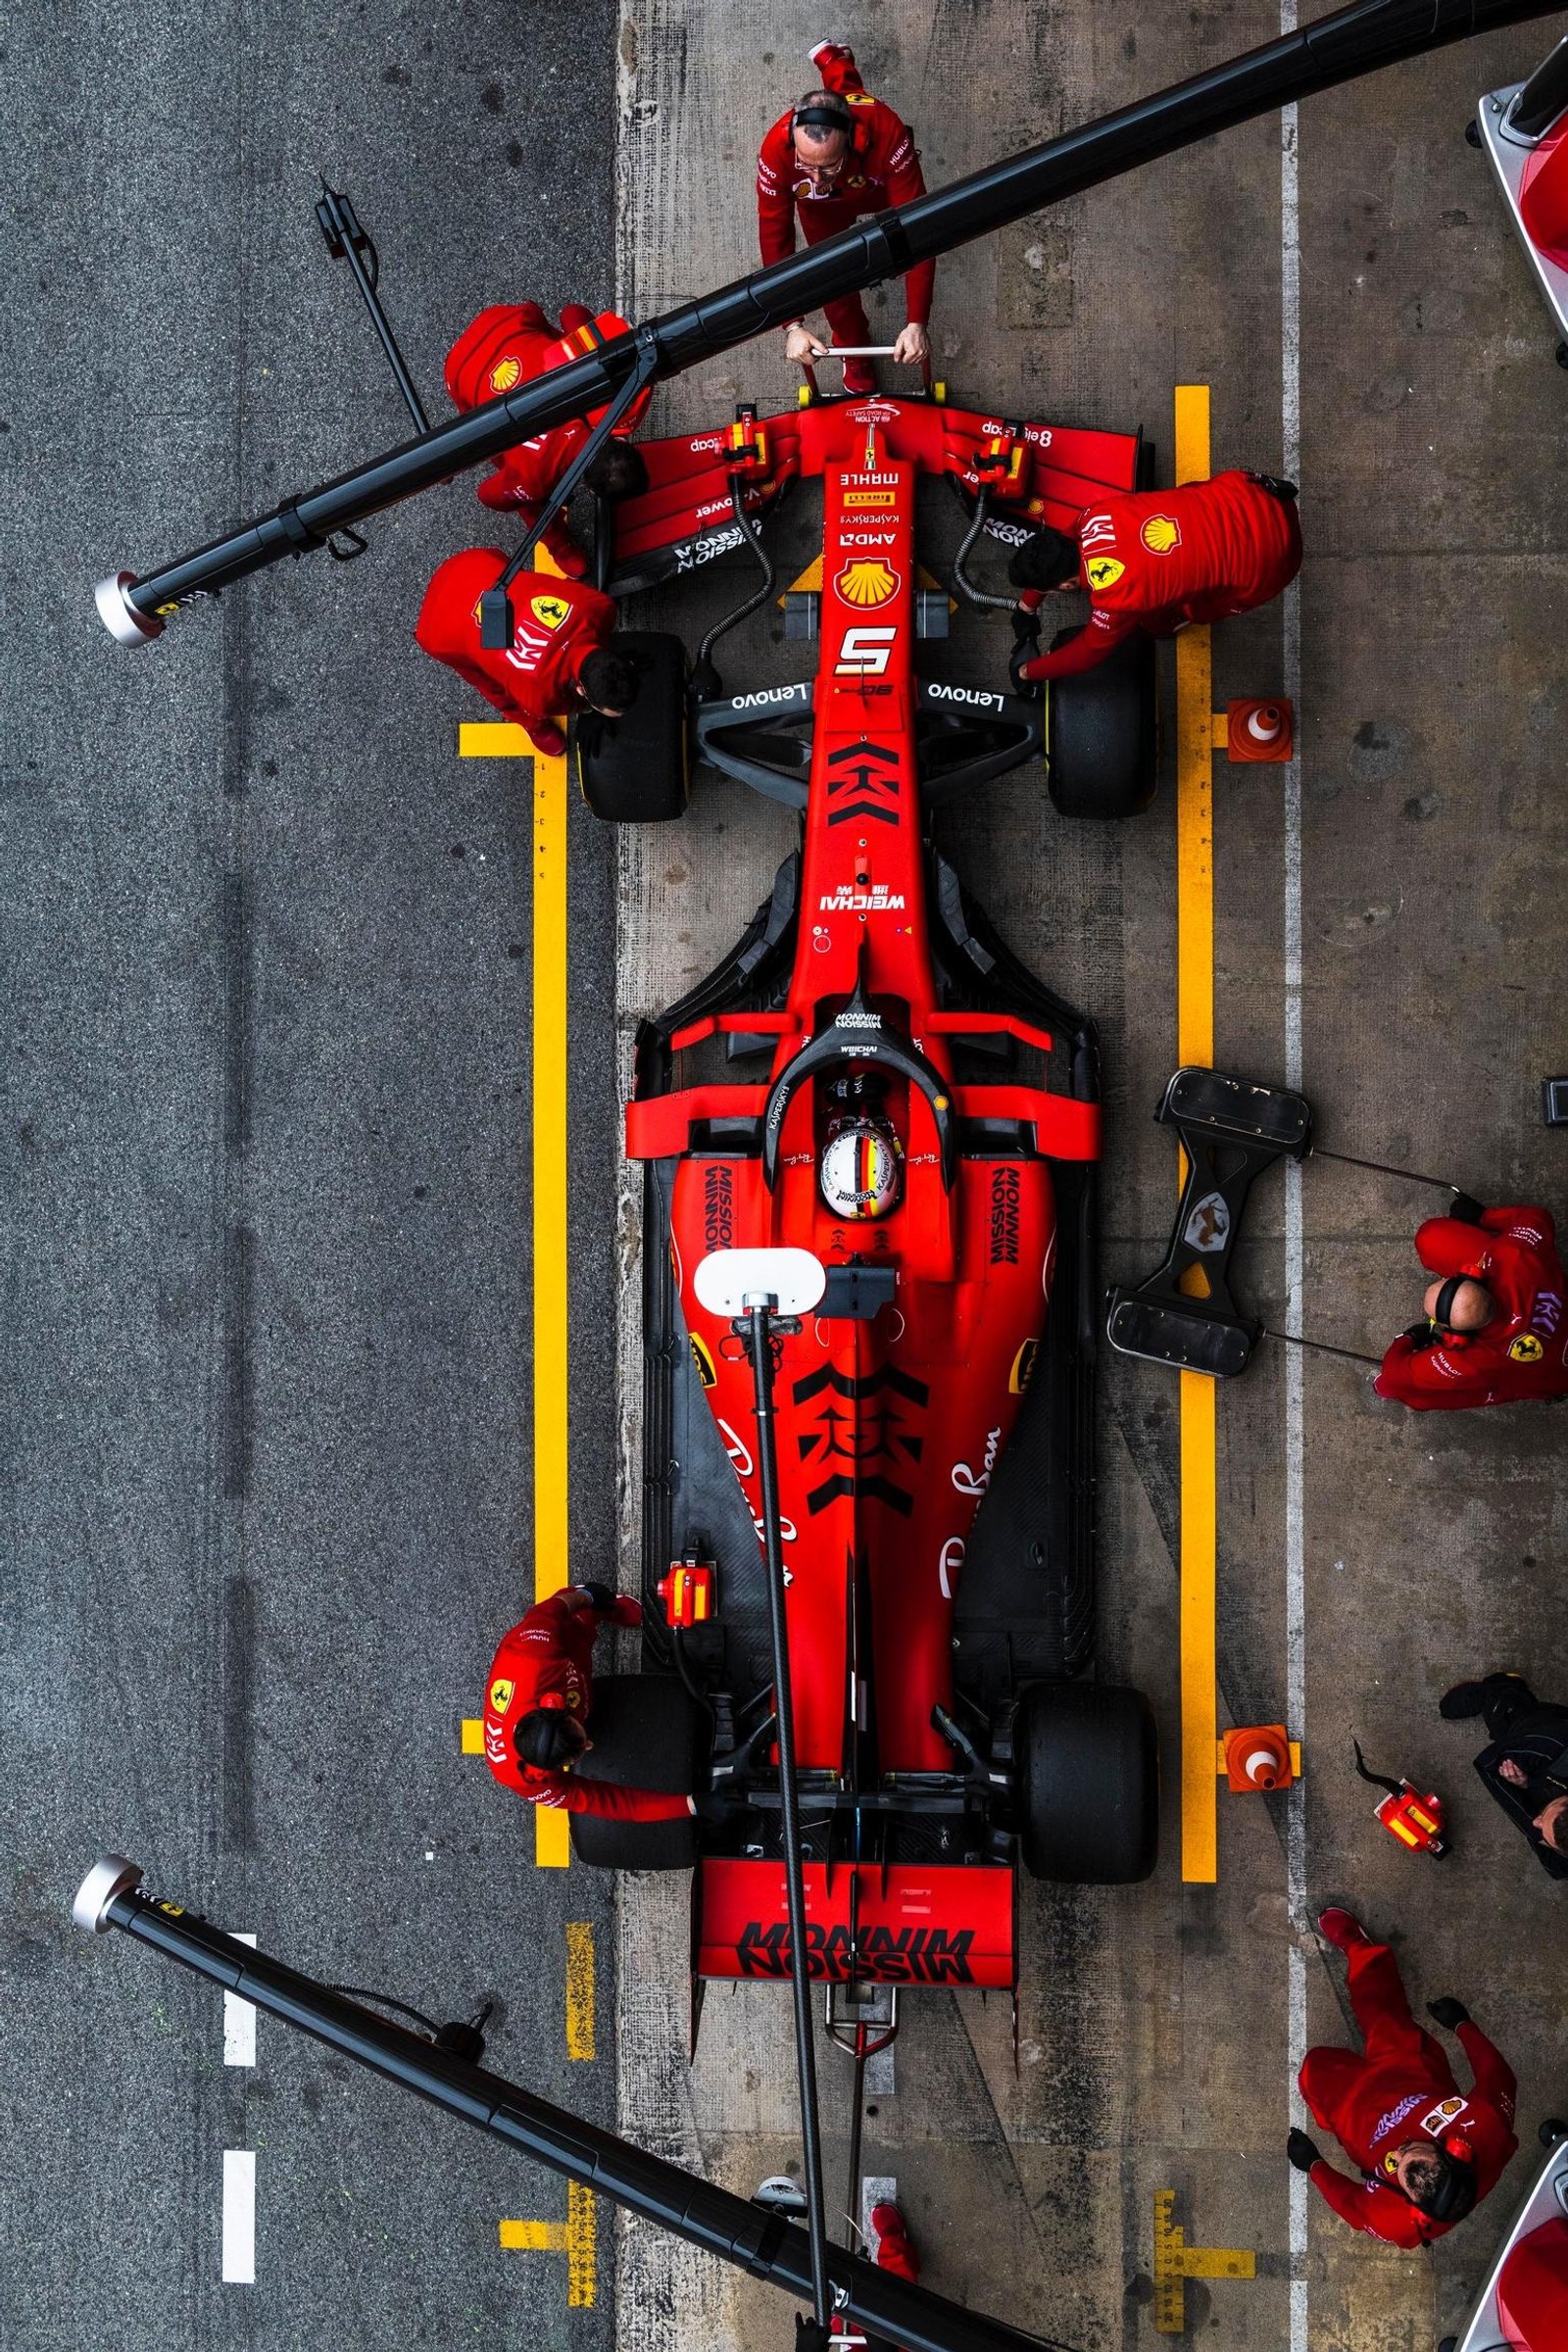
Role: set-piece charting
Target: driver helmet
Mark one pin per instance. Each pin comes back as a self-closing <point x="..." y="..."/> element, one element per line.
<point x="861" y="1174"/>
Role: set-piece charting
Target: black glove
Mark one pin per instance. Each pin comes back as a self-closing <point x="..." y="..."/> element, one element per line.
<point x="1302" y="2152"/>
<point x="1448" y="2012"/>
<point x="1025" y="626"/>
<point x="1024" y="651"/>
<point x="1421" y="1335"/>
<point x="717" y="1804"/>
<point x="1467" y="1210"/>
<point x="603" y="1597"/>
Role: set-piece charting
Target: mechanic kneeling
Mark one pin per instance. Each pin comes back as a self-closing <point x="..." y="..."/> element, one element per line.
<point x="1525" y="1766"/>
<point x="537" y="1703"/>
<point x="1428" y="2151"/>
<point x="1493" y="1330"/>
<point x="1156" y="561"/>
<point x="507" y="345"/>
<point x="559" y="659"/>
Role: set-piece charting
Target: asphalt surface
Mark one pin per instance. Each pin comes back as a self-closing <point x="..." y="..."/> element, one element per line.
<point x="264" y="1493"/>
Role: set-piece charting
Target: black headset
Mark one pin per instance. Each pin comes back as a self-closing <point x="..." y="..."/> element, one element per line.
<point x="824" y="111"/>
<point x="1443" y="1304"/>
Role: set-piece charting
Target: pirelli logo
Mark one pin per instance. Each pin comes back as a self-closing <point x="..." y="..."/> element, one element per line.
<point x="870" y="498"/>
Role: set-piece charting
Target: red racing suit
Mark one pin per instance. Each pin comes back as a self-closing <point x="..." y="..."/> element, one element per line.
<point x="548" y="1656"/>
<point x="507" y="345"/>
<point x="1156" y="560"/>
<point x="881" y="169"/>
<point x="558" y="624"/>
<point x="1523" y="1353"/>
<point x="1402" y="2089"/>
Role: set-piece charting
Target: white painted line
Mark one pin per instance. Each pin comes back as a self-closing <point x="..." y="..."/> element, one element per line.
<point x="239" y="2021"/>
<point x="881" y="2081"/>
<point x="239" y="2217"/>
<point x="1294" y="1243"/>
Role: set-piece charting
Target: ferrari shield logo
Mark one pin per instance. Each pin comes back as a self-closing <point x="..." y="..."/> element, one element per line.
<point x="1208" y="1228"/>
<point x="500" y="1695"/>
<point x="504" y="373"/>
<point x="1526" y="1348"/>
<point x="1103" y="572"/>
<point x="867" y="582"/>
<point x="1161" y="533"/>
<point x="549" y="610"/>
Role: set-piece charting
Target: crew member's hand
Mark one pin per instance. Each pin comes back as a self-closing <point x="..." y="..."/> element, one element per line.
<point x="1302" y="2152"/>
<point x="597" y="1596"/>
<point x="1023" y="653"/>
<point x="1026" y="628"/>
<point x="801" y="344"/>
<point x="914" y="346"/>
<point x="1448" y="2012"/>
<point x="1514" y="1774"/>
<point x="717" y="1804"/>
<point x="1466" y="1209"/>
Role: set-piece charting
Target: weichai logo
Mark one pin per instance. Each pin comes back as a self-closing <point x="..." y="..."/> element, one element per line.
<point x="889" y="1955"/>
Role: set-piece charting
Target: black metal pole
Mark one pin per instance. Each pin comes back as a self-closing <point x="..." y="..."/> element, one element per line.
<point x="759" y="1315"/>
<point x="1543" y="97"/>
<point x="762" y="2243"/>
<point x="1294" y="1339"/>
<point x="1357" y="39"/>
<point x="1381" y="1168"/>
<point x="344" y="236"/>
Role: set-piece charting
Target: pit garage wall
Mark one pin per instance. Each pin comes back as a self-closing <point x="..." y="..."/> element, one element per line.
<point x="1155" y="2020"/>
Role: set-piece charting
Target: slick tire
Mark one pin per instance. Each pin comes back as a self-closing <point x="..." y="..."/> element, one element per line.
<point x="636" y="770"/>
<point x="1088" y="1766"/>
<point x="644" y="1732"/>
<point x="1102" y="748"/>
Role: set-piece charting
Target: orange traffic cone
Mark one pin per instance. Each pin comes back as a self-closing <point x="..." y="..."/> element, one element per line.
<point x="1258" y="1756"/>
<point x="1258" y="730"/>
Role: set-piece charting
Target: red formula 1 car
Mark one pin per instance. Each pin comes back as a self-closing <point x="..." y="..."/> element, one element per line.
<point x="871" y="1076"/>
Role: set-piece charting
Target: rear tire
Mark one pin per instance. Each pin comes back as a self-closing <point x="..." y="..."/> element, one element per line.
<point x="1102" y="749"/>
<point x="1088" y="1767"/>
<point x="644" y="1733"/>
<point x="636" y="770"/>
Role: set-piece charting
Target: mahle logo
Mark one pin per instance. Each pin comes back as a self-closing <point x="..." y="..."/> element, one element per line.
<point x="866" y="581"/>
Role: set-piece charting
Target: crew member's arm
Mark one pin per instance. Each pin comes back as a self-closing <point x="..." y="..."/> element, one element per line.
<point x="905" y="181"/>
<point x="775" y="195"/>
<point x="1380" y="2212"/>
<point x="576" y="1792"/>
<point x="1496" y="2082"/>
<point x="1095" y="643"/>
<point x="1448" y="1245"/>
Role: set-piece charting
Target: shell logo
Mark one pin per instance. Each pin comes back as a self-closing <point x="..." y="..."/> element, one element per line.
<point x="1161" y="533"/>
<point x="504" y="373"/>
<point x="867" y="582"/>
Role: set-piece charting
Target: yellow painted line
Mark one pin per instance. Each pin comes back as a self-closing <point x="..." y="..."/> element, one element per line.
<point x="1195" y="1043"/>
<point x="576" y="2238"/>
<point x="473" y="1735"/>
<point x="552" y="1837"/>
<point x="492" y="739"/>
<point x="579" y="1989"/>
<point x="1175" y="2262"/>
<point x="1222" y="730"/>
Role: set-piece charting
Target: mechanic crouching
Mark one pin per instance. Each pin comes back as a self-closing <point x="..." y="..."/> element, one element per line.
<point x="560" y="660"/>
<point x="1493" y="1328"/>
<point x="1524" y="1765"/>
<point x="1427" y="2152"/>
<point x="1158" y="560"/>
<point x="537" y="1705"/>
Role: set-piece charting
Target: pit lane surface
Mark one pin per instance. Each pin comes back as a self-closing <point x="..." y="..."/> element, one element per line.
<point x="1349" y="281"/>
<point x="264" y="1153"/>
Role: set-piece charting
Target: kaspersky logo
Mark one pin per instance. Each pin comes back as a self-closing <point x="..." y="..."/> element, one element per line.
<point x="866" y="581"/>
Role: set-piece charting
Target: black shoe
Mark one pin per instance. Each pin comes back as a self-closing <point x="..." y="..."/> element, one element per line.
<point x="1462" y="1701"/>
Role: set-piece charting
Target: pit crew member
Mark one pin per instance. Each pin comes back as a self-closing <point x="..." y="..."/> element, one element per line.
<point x="893" y="2249"/>
<point x="536" y="1709"/>
<point x="1526" y="1764"/>
<point x="1427" y="2152"/>
<point x="1493" y="1328"/>
<point x="1157" y="559"/>
<point x="560" y="659"/>
<point x="507" y="345"/>
<point x="837" y="154"/>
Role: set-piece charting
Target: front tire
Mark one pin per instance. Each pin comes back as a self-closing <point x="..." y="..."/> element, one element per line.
<point x="636" y="770"/>
<point x="1088" y="1765"/>
<point x="644" y="1733"/>
<point x="1101" y="746"/>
